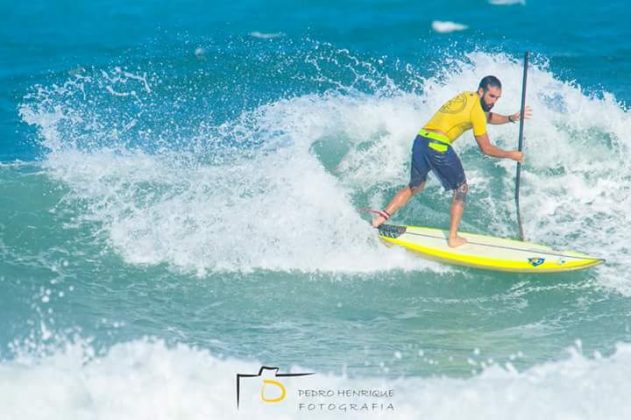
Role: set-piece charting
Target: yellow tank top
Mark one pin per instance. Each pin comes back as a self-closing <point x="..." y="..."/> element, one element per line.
<point x="460" y="113"/>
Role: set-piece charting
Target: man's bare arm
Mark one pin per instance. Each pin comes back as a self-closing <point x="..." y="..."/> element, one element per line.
<point x="489" y="149"/>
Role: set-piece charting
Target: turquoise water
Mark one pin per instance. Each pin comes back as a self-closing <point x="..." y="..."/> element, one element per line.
<point x="179" y="186"/>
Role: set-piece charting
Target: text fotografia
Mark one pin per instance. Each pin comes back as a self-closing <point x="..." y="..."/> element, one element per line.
<point x="344" y="407"/>
<point x="344" y="400"/>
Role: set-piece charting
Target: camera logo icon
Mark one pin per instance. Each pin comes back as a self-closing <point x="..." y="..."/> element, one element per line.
<point x="268" y="383"/>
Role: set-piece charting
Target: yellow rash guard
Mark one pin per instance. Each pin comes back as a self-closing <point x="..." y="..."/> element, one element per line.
<point x="459" y="114"/>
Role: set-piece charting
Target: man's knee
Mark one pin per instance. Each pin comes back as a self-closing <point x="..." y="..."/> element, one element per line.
<point x="417" y="189"/>
<point x="460" y="193"/>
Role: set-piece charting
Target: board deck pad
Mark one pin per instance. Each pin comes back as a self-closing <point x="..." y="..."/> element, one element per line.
<point x="486" y="252"/>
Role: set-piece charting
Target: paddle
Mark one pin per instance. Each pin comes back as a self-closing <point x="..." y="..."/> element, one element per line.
<point x="521" y="144"/>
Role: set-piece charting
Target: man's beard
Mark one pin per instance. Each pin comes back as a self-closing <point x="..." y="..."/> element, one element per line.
<point x="486" y="107"/>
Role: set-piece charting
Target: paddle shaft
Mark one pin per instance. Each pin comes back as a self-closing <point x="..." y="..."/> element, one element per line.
<point x="520" y="146"/>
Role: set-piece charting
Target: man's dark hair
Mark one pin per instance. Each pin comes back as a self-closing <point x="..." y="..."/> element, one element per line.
<point x="490" y="81"/>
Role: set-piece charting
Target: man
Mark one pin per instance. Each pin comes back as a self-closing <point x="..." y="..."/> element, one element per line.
<point x="432" y="149"/>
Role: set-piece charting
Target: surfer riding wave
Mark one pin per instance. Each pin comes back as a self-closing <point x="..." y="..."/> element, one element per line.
<point x="432" y="150"/>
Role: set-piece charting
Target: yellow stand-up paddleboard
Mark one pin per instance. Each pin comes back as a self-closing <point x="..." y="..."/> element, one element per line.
<point x="487" y="252"/>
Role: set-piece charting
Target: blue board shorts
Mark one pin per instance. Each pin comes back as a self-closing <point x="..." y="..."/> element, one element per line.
<point x="445" y="165"/>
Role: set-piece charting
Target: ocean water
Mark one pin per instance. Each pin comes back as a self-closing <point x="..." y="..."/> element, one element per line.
<point x="179" y="195"/>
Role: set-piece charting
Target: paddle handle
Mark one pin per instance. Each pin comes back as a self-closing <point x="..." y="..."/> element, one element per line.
<point x="520" y="145"/>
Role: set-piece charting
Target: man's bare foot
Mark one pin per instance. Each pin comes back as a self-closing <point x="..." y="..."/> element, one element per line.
<point x="378" y="221"/>
<point x="456" y="241"/>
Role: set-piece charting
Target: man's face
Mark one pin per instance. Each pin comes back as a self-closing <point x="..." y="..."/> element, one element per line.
<point x="489" y="96"/>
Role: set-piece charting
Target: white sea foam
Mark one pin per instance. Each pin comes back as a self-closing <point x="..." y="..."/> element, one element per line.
<point x="265" y="35"/>
<point x="276" y="211"/>
<point x="445" y="27"/>
<point x="147" y="379"/>
<point x="506" y="2"/>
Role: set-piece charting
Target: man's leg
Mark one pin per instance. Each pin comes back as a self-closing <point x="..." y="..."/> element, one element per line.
<point x="457" y="209"/>
<point x="399" y="200"/>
